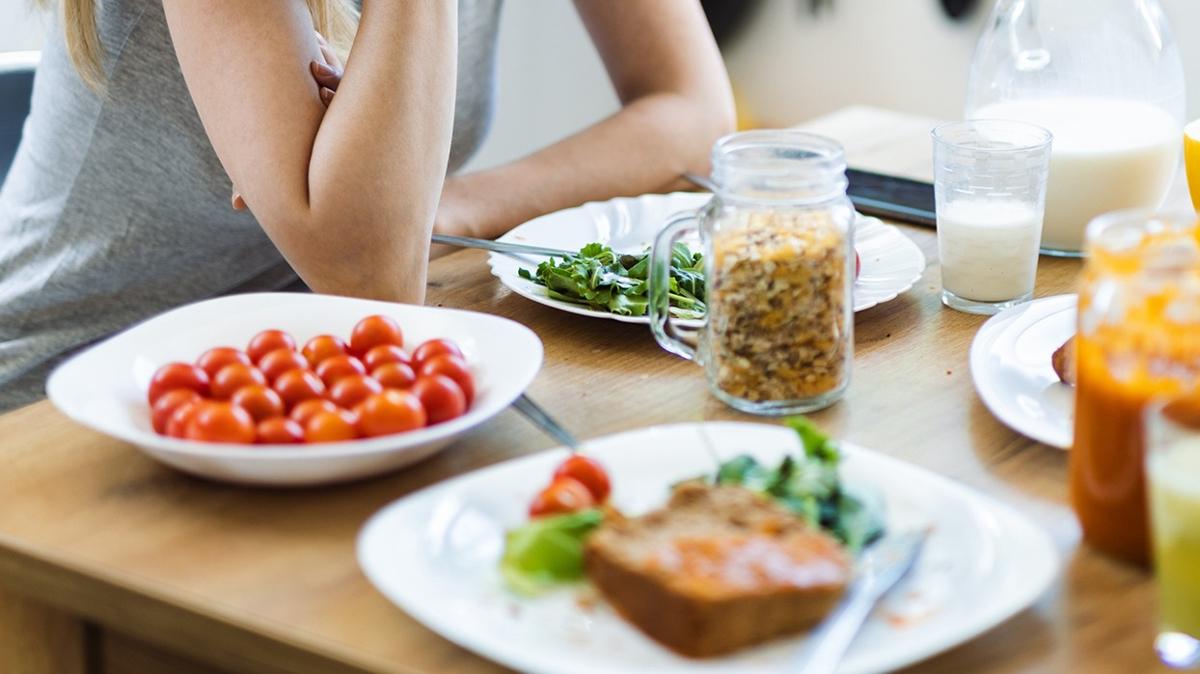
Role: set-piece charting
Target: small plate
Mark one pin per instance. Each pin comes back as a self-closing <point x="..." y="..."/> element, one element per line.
<point x="1010" y="364"/>
<point x="434" y="554"/>
<point x="105" y="386"/>
<point x="891" y="262"/>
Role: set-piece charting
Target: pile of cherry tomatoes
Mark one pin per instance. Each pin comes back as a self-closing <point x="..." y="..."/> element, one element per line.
<point x="327" y="391"/>
<point x="578" y="483"/>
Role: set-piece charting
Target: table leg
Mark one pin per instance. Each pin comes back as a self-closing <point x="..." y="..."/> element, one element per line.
<point x="37" y="639"/>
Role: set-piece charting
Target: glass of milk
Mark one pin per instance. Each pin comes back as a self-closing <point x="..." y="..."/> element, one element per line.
<point x="1173" y="472"/>
<point x="990" y="185"/>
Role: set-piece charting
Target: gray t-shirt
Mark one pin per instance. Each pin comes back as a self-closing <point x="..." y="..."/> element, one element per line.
<point x="116" y="207"/>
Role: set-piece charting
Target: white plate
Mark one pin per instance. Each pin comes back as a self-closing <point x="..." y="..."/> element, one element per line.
<point x="434" y="554"/>
<point x="891" y="262"/>
<point x="105" y="386"/>
<point x="1010" y="364"/>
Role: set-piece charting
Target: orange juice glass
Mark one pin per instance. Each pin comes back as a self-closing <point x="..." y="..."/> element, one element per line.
<point x="1191" y="158"/>
<point x="1138" y="339"/>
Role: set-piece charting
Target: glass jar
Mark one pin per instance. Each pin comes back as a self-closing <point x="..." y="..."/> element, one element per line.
<point x="1105" y="77"/>
<point x="1138" y="339"/>
<point x="778" y="243"/>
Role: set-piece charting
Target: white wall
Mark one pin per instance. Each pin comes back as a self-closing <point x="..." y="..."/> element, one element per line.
<point x="20" y="26"/>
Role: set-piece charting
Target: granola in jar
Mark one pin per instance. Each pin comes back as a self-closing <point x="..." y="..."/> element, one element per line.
<point x="779" y="326"/>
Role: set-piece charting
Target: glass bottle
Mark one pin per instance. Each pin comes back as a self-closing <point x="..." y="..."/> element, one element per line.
<point x="1105" y="77"/>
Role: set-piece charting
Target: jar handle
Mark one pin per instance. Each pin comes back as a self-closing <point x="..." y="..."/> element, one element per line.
<point x="659" y="285"/>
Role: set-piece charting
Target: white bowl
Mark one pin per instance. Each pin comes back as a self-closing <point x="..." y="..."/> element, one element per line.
<point x="105" y="386"/>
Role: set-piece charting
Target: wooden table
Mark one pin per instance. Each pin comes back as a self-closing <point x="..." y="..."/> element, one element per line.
<point x="125" y="566"/>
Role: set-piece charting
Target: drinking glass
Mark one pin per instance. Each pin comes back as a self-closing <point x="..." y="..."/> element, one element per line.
<point x="1173" y="471"/>
<point x="778" y="244"/>
<point x="990" y="187"/>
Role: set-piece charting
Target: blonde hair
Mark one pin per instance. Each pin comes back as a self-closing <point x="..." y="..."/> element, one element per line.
<point x="337" y="20"/>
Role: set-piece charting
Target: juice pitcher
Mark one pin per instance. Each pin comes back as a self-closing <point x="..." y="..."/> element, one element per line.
<point x="1105" y="77"/>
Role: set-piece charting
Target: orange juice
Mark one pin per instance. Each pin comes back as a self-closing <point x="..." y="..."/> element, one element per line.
<point x="1139" y="338"/>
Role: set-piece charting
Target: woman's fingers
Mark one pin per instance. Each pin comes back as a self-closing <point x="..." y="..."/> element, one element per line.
<point x="326" y="75"/>
<point x="238" y="203"/>
<point x="326" y="96"/>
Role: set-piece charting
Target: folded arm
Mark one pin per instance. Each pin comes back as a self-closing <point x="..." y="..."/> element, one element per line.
<point x="676" y="101"/>
<point x="348" y="194"/>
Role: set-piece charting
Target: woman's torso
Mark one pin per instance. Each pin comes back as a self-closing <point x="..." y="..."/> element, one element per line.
<point x="116" y="207"/>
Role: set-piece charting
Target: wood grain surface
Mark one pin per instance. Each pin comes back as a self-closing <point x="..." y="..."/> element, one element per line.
<point x="266" y="580"/>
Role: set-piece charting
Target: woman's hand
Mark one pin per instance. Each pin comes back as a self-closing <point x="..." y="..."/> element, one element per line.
<point x="328" y="74"/>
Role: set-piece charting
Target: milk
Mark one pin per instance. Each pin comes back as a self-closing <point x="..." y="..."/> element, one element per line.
<point x="988" y="249"/>
<point x="1108" y="154"/>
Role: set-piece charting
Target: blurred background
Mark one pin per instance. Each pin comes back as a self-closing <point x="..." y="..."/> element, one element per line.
<point x="790" y="60"/>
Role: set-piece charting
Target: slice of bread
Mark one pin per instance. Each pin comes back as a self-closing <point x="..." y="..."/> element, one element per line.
<point x="717" y="569"/>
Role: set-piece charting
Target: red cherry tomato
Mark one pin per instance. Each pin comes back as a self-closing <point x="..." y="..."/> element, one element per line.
<point x="390" y="412"/>
<point x="296" y="386"/>
<point x="432" y="349"/>
<point x="384" y="354"/>
<point x="373" y="331"/>
<point x="260" y="401"/>
<point x="305" y="409"/>
<point x="216" y="421"/>
<point x="317" y="349"/>
<point x="278" y="431"/>
<point x="177" y="425"/>
<point x="177" y="375"/>
<point x="395" y="375"/>
<point x="334" y="368"/>
<point x="350" y="391"/>
<point x="331" y="427"/>
<point x="564" y="495"/>
<point x="233" y="377"/>
<point x="166" y="405"/>
<point x="279" y="361"/>
<point x="589" y="473"/>
<point x="857" y="265"/>
<point x="267" y="341"/>
<point x="214" y="359"/>
<point x="454" y="368"/>
<point x="442" y="399"/>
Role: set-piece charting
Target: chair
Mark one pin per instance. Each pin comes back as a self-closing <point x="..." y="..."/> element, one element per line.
<point x="16" y="87"/>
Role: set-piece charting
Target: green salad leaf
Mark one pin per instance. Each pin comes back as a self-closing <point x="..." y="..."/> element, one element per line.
<point x="547" y="551"/>
<point x="811" y="487"/>
<point x="599" y="278"/>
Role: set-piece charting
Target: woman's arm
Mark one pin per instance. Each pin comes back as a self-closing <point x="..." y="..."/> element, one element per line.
<point x="347" y="193"/>
<point x="676" y="101"/>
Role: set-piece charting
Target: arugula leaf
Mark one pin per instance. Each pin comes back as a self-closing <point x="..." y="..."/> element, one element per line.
<point x="600" y="278"/>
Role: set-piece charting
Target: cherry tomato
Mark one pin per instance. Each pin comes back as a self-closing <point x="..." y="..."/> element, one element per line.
<point x="166" y="405"/>
<point x="216" y="421"/>
<point x="233" y="377"/>
<point x="857" y="265"/>
<point x="279" y="431"/>
<point x="260" y="401"/>
<point x="177" y="375"/>
<point x="214" y="359"/>
<point x="352" y="390"/>
<point x="589" y="473"/>
<point x="321" y="347"/>
<point x="384" y="354"/>
<point x="334" y="368"/>
<point x="331" y="427"/>
<point x="433" y="348"/>
<point x="395" y="375"/>
<point x="442" y="399"/>
<point x="296" y="386"/>
<point x="267" y="341"/>
<point x="305" y="409"/>
<point x="564" y="495"/>
<point x="177" y="425"/>
<point x="454" y="368"/>
<point x="373" y="331"/>
<point x="279" y="361"/>
<point x="390" y="412"/>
